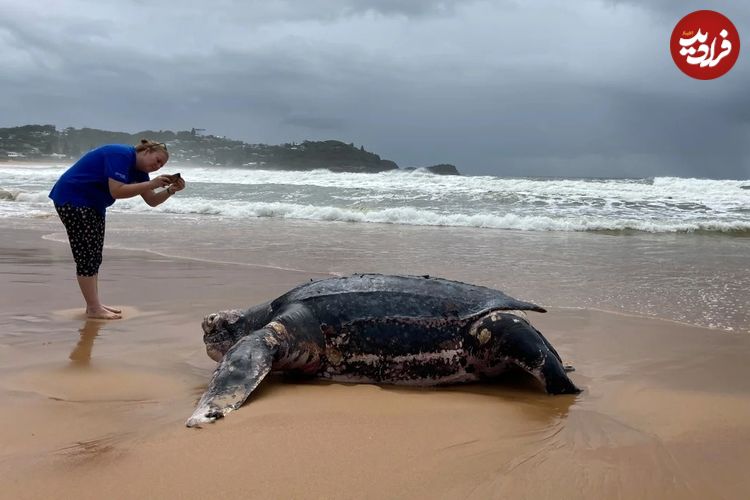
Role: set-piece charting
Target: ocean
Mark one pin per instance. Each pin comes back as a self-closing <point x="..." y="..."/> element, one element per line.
<point x="666" y="247"/>
<point x="655" y="205"/>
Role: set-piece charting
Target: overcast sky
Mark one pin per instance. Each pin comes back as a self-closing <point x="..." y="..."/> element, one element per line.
<point x="566" y="88"/>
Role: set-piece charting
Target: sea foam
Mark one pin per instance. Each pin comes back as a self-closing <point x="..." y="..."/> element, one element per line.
<point x="661" y="204"/>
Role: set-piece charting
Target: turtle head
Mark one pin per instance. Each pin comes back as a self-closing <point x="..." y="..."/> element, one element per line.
<point x="221" y="330"/>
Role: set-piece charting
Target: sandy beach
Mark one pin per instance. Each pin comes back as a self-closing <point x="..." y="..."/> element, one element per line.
<point x="97" y="408"/>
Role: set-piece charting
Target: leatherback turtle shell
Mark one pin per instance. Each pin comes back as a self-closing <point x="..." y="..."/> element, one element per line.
<point x="373" y="295"/>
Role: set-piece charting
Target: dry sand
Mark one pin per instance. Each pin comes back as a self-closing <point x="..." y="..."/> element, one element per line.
<point x="96" y="409"/>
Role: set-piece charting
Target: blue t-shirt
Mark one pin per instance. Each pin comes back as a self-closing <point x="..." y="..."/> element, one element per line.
<point x="86" y="183"/>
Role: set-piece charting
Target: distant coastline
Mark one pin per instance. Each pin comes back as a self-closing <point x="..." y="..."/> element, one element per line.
<point x="47" y="144"/>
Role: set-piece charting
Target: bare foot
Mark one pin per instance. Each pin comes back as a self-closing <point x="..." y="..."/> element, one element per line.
<point x="102" y="313"/>
<point x="112" y="309"/>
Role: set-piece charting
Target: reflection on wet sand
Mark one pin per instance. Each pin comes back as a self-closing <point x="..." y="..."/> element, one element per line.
<point x="81" y="353"/>
<point x="664" y="414"/>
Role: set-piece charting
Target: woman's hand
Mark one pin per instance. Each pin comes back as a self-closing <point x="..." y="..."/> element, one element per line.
<point x="178" y="185"/>
<point x="159" y="182"/>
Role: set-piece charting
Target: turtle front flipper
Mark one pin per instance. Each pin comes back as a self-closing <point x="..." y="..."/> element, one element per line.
<point x="243" y="367"/>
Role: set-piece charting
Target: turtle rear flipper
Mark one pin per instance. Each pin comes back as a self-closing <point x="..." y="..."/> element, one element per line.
<point x="512" y="339"/>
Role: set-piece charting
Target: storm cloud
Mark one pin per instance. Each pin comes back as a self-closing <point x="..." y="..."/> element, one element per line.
<point x="503" y="88"/>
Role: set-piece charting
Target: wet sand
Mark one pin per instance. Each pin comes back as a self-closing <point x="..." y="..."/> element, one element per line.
<point x="96" y="408"/>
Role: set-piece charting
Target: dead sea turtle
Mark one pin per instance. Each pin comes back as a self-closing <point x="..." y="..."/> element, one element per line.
<point x="373" y="328"/>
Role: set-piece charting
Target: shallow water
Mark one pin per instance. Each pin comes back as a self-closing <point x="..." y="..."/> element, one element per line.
<point x="697" y="279"/>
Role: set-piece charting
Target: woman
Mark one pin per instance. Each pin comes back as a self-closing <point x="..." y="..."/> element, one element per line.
<point x="94" y="182"/>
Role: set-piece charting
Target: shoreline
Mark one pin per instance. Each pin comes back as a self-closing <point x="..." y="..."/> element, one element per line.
<point x="615" y="312"/>
<point x="96" y="406"/>
<point x="690" y="280"/>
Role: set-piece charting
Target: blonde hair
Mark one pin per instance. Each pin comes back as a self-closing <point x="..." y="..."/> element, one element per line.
<point x="149" y="145"/>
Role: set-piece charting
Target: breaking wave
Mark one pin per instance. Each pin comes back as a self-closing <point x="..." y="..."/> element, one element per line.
<point x="656" y="205"/>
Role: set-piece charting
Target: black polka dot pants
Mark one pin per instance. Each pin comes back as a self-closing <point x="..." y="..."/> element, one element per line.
<point x="85" y="228"/>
